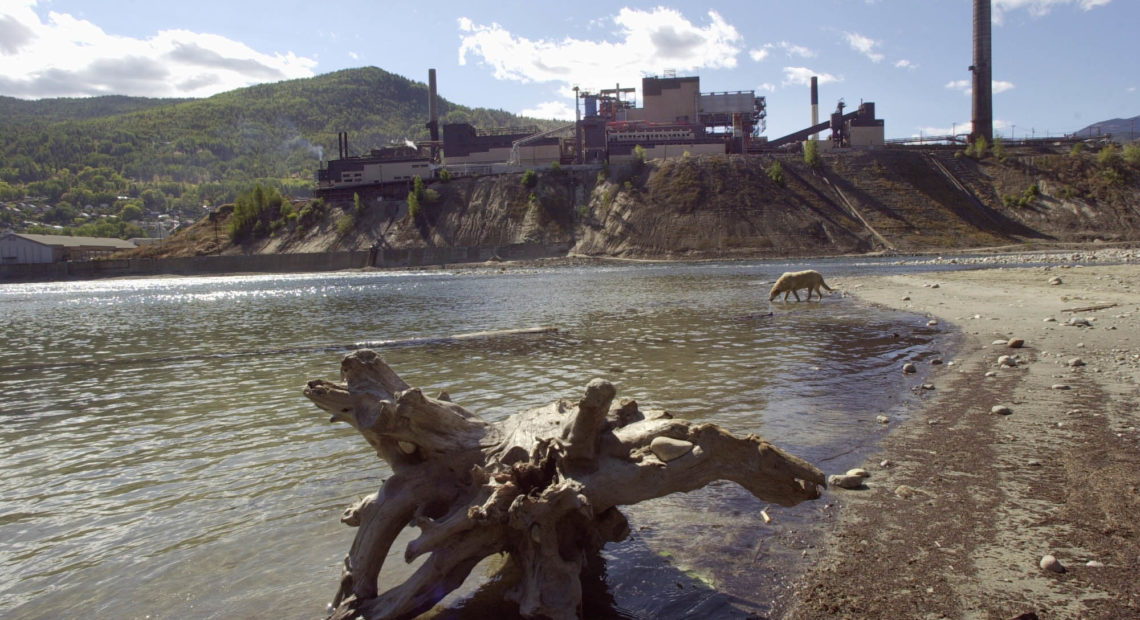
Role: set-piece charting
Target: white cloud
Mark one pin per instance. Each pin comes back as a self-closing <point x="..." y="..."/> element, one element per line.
<point x="999" y="86"/>
<point x="767" y="87"/>
<point x="905" y="64"/>
<point x="967" y="87"/>
<point x="801" y="76"/>
<point x="1130" y="89"/>
<point x="963" y="85"/>
<point x="550" y="109"/>
<point x="69" y="57"/>
<point x="1040" y="8"/>
<point x="863" y="45"/>
<point x="960" y="127"/>
<point x="759" y="54"/>
<point x="646" y="42"/>
<point x="794" y="50"/>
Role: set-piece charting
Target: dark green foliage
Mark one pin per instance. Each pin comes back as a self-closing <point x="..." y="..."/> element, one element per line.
<point x="444" y="175"/>
<point x="254" y="211"/>
<point x="999" y="149"/>
<point x="530" y="179"/>
<point x="811" y="154"/>
<point x="345" y="224"/>
<point x="979" y="149"/>
<point x="1132" y="154"/>
<point x="413" y="205"/>
<point x="109" y="227"/>
<point x="310" y="214"/>
<point x="416" y="197"/>
<point x="131" y="212"/>
<point x="1109" y="157"/>
<point x="1024" y="200"/>
<point x="776" y="173"/>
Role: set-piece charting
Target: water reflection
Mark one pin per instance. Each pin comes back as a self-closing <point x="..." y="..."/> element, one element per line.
<point x="158" y="459"/>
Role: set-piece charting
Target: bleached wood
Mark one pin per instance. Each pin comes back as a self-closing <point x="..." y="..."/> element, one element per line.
<point x="544" y="486"/>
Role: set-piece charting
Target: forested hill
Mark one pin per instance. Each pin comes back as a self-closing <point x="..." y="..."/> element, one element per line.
<point x="183" y="153"/>
<point x="19" y="111"/>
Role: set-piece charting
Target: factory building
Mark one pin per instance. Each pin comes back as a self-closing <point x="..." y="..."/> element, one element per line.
<point x="675" y="119"/>
<point x="24" y="248"/>
<point x="463" y="144"/>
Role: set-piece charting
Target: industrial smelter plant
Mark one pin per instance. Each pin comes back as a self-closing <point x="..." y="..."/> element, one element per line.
<point x="675" y="119"/>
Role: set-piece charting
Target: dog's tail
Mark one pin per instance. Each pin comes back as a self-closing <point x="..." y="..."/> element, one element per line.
<point x="824" y="284"/>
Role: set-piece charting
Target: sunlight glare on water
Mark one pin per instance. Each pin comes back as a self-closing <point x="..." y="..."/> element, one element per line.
<point x="158" y="458"/>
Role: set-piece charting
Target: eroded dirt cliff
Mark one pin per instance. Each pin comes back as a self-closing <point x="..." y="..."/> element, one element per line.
<point x="904" y="200"/>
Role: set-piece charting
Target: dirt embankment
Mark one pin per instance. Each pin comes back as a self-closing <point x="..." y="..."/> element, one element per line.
<point x="729" y="207"/>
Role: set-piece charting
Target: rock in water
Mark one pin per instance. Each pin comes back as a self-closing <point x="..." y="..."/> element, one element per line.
<point x="909" y="368"/>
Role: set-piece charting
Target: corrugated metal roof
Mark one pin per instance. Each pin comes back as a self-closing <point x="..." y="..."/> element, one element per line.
<point x="76" y="242"/>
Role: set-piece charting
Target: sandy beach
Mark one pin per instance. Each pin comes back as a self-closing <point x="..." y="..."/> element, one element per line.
<point x="999" y="465"/>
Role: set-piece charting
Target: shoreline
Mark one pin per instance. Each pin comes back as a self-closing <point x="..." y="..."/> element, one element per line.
<point x="962" y="504"/>
<point x="1031" y="252"/>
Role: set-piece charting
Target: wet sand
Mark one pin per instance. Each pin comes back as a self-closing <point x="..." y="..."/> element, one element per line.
<point x="963" y="503"/>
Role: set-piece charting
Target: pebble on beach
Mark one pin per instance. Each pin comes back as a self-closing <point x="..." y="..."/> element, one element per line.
<point x="1001" y="410"/>
<point x="905" y="492"/>
<point x="909" y="368"/>
<point x="1076" y="361"/>
<point x="1050" y="563"/>
<point x="1055" y="280"/>
<point x="1016" y="343"/>
<point x="845" y="481"/>
<point x="882" y="419"/>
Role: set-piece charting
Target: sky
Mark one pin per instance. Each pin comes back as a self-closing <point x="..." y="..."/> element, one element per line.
<point x="1058" y="65"/>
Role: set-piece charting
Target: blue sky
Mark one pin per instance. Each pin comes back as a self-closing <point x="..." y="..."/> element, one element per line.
<point x="1058" y="64"/>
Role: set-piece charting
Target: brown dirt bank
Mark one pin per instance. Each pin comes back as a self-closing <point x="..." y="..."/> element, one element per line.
<point x="962" y="504"/>
<point x="724" y="207"/>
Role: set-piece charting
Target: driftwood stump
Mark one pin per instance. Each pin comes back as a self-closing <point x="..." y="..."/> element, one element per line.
<point x="543" y="485"/>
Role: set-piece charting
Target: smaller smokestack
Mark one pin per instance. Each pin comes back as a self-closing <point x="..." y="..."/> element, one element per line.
<point x="433" y="107"/>
<point x="814" y="105"/>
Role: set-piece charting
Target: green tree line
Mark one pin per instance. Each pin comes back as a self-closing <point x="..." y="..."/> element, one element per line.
<point x="174" y="156"/>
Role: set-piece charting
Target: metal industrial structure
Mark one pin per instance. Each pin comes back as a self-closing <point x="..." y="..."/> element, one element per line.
<point x="675" y="119"/>
<point x="983" y="113"/>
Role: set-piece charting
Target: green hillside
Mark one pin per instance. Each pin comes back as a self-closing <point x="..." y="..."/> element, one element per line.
<point x="73" y="156"/>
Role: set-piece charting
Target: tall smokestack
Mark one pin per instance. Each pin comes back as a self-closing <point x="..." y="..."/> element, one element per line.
<point x="983" y="74"/>
<point x="433" y="109"/>
<point x="814" y="105"/>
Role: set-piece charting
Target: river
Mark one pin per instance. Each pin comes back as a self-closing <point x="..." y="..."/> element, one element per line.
<point x="158" y="460"/>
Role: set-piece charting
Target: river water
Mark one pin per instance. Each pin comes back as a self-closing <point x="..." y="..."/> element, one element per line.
<point x="157" y="458"/>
